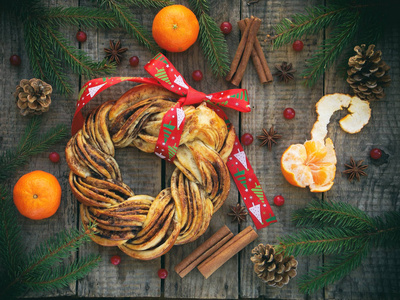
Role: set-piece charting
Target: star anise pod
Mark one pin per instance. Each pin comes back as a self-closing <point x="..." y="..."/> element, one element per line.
<point x="355" y="169"/>
<point x="114" y="52"/>
<point x="238" y="213"/>
<point x="285" y="72"/>
<point x="269" y="137"/>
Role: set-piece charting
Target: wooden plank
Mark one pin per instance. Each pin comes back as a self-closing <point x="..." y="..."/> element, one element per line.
<point x="224" y="282"/>
<point x="378" y="275"/>
<point x="12" y="125"/>
<point x="267" y="103"/>
<point x="141" y="171"/>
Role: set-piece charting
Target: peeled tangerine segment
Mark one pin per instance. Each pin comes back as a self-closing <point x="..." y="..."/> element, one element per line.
<point x="358" y="117"/>
<point x="312" y="164"/>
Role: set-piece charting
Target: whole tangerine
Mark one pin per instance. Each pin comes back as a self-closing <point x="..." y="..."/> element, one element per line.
<point x="175" y="28"/>
<point x="37" y="195"/>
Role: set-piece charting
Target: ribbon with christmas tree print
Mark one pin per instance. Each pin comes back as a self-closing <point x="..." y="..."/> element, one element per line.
<point x="247" y="182"/>
<point x="164" y="74"/>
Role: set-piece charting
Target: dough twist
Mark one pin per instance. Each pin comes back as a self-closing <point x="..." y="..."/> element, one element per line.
<point x="142" y="226"/>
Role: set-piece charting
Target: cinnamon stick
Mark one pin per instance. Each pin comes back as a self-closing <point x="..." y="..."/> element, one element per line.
<point x="222" y="255"/>
<point x="261" y="56"/>
<point x="239" y="52"/>
<point x="216" y="241"/>
<point x="254" y="26"/>
<point x="258" y="57"/>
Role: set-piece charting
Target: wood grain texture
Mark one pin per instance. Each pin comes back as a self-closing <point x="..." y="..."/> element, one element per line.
<point x="378" y="275"/>
<point x="224" y="282"/>
<point x="141" y="171"/>
<point x="267" y="104"/>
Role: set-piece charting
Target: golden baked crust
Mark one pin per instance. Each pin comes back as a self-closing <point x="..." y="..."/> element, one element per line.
<point x="142" y="226"/>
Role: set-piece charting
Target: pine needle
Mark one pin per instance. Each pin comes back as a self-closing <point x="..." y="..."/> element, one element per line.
<point x="127" y="20"/>
<point x="29" y="145"/>
<point x="147" y="3"/>
<point x="351" y="236"/>
<point x="212" y="41"/>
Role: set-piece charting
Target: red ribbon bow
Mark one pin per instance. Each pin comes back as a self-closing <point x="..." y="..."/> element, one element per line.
<point x="166" y="75"/>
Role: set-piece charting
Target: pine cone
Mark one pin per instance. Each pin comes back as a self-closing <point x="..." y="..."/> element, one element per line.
<point x="367" y="74"/>
<point x="33" y="96"/>
<point x="274" y="269"/>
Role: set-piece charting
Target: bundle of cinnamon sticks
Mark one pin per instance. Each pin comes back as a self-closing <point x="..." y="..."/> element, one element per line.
<point x="215" y="251"/>
<point x="249" y="46"/>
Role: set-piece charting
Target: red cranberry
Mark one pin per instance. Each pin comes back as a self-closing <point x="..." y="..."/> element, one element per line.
<point x="162" y="273"/>
<point x="15" y="60"/>
<point x="197" y="75"/>
<point x="134" y="61"/>
<point x="247" y="139"/>
<point x="81" y="36"/>
<point x="298" y="45"/>
<point x="289" y="113"/>
<point x="226" y="27"/>
<point x="54" y="157"/>
<point x="279" y="200"/>
<point x="115" y="260"/>
<point x="376" y="153"/>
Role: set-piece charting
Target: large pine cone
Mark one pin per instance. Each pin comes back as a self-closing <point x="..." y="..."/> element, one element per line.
<point x="274" y="269"/>
<point x="367" y="74"/>
<point x="33" y="96"/>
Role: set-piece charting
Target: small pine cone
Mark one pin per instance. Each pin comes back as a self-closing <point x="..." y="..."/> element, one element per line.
<point x="274" y="269"/>
<point x="33" y="96"/>
<point x="367" y="74"/>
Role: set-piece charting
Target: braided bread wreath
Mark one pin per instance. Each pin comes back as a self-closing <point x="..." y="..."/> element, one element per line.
<point x="142" y="226"/>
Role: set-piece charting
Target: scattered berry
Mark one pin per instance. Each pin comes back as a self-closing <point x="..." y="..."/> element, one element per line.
<point x="289" y="113"/>
<point x="197" y="75"/>
<point x="298" y="45"/>
<point x="279" y="200"/>
<point x="376" y="153"/>
<point x="54" y="157"/>
<point x="247" y="139"/>
<point x="134" y="61"/>
<point x="15" y="60"/>
<point x="226" y="27"/>
<point x="81" y="36"/>
<point x="115" y="260"/>
<point x="162" y="273"/>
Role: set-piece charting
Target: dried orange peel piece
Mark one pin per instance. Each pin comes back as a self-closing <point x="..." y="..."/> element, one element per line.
<point x="358" y="117"/>
<point x="312" y="164"/>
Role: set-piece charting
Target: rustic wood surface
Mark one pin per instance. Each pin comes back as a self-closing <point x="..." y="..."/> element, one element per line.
<point x="377" y="278"/>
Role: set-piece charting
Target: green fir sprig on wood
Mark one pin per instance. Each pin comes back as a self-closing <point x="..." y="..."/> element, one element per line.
<point x="212" y="40"/>
<point x="49" y="51"/>
<point x="44" y="268"/>
<point x="339" y="229"/>
<point x="350" y="23"/>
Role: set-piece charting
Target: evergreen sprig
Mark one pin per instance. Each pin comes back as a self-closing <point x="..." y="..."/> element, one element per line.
<point x="31" y="143"/>
<point x="212" y="40"/>
<point x="127" y="20"/>
<point x="340" y="229"/>
<point x="43" y="268"/>
<point x="353" y="22"/>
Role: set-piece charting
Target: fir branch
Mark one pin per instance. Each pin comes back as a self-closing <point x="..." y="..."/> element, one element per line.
<point x="77" y="59"/>
<point x="212" y="40"/>
<point x="79" y="16"/>
<point x="11" y="253"/>
<point x="47" y="254"/>
<point x="332" y="271"/>
<point x="330" y="49"/>
<point x="29" y="145"/>
<point x="147" y="3"/>
<point x="60" y="277"/>
<point x="127" y="20"/>
<point x="338" y="214"/>
<point x="329" y="240"/>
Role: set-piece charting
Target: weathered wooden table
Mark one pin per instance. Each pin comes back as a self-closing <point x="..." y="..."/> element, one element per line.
<point x="377" y="278"/>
